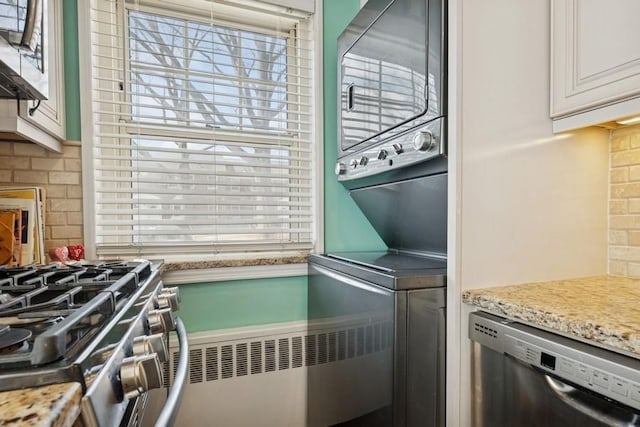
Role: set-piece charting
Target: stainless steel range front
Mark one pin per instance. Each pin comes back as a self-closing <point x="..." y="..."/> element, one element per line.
<point x="379" y="317"/>
<point x="103" y="325"/>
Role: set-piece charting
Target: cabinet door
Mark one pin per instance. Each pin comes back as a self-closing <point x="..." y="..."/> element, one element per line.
<point x="50" y="114"/>
<point x="595" y="54"/>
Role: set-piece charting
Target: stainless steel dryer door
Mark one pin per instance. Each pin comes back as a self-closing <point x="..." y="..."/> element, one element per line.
<point x="383" y="73"/>
<point x="349" y="349"/>
<point x="391" y="70"/>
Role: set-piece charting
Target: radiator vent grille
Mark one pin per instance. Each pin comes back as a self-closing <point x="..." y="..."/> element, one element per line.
<point x="256" y="357"/>
<point x="195" y="371"/>
<point x="310" y="350"/>
<point x="165" y="373"/>
<point x="241" y="360"/>
<point x="296" y="359"/>
<point x="332" y="347"/>
<point x="342" y="345"/>
<point x="322" y="348"/>
<point x="270" y="355"/>
<point x="175" y="364"/>
<point x="211" y="354"/>
<point x="283" y="353"/>
<point x="213" y="362"/>
<point x="227" y="361"/>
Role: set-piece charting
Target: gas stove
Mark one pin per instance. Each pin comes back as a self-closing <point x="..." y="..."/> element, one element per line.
<point x="102" y="324"/>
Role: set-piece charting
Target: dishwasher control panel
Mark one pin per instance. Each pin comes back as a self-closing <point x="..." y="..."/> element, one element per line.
<point x="604" y="372"/>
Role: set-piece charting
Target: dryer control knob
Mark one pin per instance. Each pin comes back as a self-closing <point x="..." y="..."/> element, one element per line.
<point x="341" y="168"/>
<point x="398" y="148"/>
<point x="382" y="154"/>
<point x="364" y="160"/>
<point x="423" y="141"/>
<point x="353" y="163"/>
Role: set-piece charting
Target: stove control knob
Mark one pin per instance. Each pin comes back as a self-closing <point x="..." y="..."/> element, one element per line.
<point x="364" y="160"/>
<point x="382" y="154"/>
<point x="169" y="298"/>
<point x="353" y="163"/>
<point x="140" y="374"/>
<point x="171" y="290"/>
<point x="341" y="168"/>
<point x="424" y="141"/>
<point x="397" y="148"/>
<point x="149" y="344"/>
<point x="161" y="321"/>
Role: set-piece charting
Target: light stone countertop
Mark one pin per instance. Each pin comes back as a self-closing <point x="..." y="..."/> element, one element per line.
<point x="195" y="265"/>
<point x="604" y="310"/>
<point x="56" y="405"/>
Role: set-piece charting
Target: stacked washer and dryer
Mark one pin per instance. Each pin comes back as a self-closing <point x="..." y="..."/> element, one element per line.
<point x="380" y="316"/>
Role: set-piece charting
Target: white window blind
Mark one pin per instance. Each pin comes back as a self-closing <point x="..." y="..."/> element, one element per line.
<point x="202" y="130"/>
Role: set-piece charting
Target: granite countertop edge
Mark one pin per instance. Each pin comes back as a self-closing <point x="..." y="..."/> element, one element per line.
<point x="573" y="317"/>
<point x="55" y="405"/>
<point x="205" y="264"/>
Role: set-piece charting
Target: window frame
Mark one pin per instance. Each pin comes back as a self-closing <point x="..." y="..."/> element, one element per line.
<point x="317" y="145"/>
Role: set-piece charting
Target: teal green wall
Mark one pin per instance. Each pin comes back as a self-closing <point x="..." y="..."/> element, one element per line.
<point x="71" y="71"/>
<point x="220" y="305"/>
<point x="345" y="227"/>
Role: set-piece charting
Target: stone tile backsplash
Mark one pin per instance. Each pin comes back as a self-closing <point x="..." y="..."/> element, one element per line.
<point x="624" y="202"/>
<point x="60" y="175"/>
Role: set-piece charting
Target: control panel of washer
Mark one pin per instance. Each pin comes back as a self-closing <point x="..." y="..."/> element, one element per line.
<point x="414" y="146"/>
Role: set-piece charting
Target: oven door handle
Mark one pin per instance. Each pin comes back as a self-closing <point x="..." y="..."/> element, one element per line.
<point x="170" y="410"/>
<point x="570" y="395"/>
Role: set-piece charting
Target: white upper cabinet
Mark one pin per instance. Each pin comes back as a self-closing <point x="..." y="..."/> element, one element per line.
<point x="595" y="62"/>
<point x="44" y="125"/>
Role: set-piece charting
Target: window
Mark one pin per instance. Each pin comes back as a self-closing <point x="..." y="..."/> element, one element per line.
<point x="201" y="128"/>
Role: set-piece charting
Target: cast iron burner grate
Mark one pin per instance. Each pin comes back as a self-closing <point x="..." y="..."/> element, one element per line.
<point x="62" y="307"/>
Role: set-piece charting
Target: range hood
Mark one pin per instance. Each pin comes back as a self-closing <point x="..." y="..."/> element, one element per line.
<point x="22" y="45"/>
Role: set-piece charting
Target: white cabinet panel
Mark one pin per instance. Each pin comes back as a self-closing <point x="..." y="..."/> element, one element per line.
<point x="595" y="59"/>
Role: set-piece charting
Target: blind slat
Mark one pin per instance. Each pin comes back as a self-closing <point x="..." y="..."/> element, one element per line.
<point x="146" y="212"/>
<point x="205" y="202"/>
<point x="294" y="186"/>
<point x="219" y="231"/>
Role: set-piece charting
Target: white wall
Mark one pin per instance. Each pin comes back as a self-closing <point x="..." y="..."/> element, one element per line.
<point x="526" y="205"/>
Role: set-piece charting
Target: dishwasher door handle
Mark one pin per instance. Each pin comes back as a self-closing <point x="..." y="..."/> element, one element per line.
<point x="170" y="410"/>
<point x="570" y="395"/>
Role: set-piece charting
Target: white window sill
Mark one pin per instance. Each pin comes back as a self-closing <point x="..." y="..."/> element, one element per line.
<point x="180" y="273"/>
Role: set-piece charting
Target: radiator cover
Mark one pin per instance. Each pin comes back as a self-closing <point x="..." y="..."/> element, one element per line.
<point x="256" y="376"/>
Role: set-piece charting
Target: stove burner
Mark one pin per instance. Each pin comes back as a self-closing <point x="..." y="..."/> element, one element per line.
<point x="64" y="307"/>
<point x="13" y="340"/>
<point x="22" y="347"/>
<point x="30" y="322"/>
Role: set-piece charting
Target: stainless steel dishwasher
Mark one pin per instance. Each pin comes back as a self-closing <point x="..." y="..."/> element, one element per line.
<point x="523" y="376"/>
